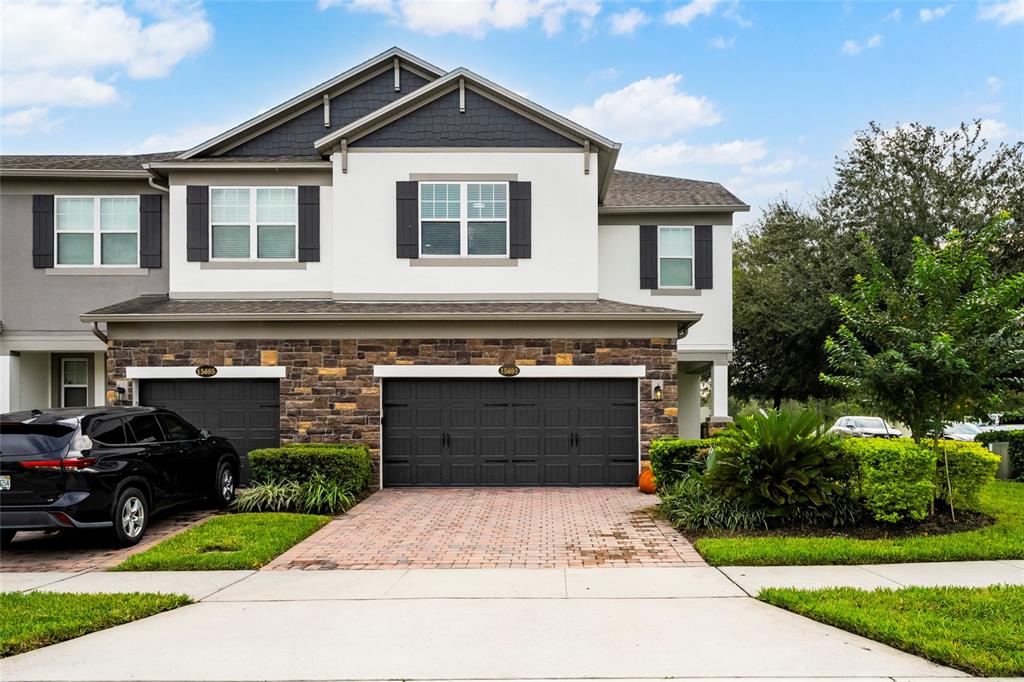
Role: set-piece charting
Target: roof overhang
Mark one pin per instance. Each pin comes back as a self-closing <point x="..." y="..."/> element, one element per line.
<point x="697" y="208"/>
<point x="607" y="149"/>
<point x="296" y="104"/>
<point x="675" y="316"/>
<point x="237" y="165"/>
<point x="140" y="174"/>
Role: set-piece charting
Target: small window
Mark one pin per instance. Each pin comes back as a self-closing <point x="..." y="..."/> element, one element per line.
<point x="74" y="382"/>
<point x="145" y="429"/>
<point x="109" y="432"/>
<point x="97" y="231"/>
<point x="254" y="223"/>
<point x="675" y="257"/>
<point x="464" y="219"/>
<point x="177" y="428"/>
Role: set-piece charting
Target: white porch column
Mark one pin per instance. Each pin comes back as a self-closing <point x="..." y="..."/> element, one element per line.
<point x="719" y="390"/>
<point x="689" y="405"/>
<point x="10" y="383"/>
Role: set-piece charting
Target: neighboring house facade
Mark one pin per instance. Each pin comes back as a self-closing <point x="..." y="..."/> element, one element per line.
<point x="369" y="262"/>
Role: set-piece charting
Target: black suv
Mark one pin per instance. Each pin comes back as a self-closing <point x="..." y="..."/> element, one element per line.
<point x="106" y="467"/>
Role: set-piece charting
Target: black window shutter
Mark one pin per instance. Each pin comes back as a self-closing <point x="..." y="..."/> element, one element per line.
<point x="703" y="250"/>
<point x="520" y="219"/>
<point x="309" y="224"/>
<point x="197" y="233"/>
<point x="150" y="206"/>
<point x="648" y="256"/>
<point x="407" y="195"/>
<point x="42" y="231"/>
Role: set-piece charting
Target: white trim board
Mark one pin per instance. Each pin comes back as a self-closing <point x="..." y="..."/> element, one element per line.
<point x="525" y="372"/>
<point x="223" y="372"/>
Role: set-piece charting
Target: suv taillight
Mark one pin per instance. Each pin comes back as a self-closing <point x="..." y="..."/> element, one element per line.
<point x="58" y="464"/>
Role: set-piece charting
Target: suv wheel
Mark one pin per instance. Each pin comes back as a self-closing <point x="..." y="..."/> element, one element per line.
<point x="224" y="490"/>
<point x="131" y="517"/>
<point x="7" y="537"/>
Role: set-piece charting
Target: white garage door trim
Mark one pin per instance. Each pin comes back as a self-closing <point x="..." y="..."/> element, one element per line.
<point x="225" y="372"/>
<point x="525" y="371"/>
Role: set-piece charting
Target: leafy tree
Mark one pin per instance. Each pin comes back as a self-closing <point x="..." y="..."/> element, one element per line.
<point x="945" y="340"/>
<point x="918" y="181"/>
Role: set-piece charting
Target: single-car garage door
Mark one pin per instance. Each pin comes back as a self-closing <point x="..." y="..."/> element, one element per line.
<point x="245" y="411"/>
<point x="510" y="432"/>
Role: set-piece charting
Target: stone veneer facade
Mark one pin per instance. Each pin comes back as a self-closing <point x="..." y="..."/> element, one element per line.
<point x="329" y="393"/>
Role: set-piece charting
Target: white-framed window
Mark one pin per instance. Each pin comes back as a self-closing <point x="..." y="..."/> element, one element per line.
<point x="254" y="223"/>
<point x="74" y="382"/>
<point x="464" y="219"/>
<point x="675" y="257"/>
<point x="97" y="231"/>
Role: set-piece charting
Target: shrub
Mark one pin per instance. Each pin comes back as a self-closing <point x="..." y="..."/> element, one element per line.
<point x="780" y="463"/>
<point x="347" y="465"/>
<point x="671" y="458"/>
<point x="896" y="477"/>
<point x="1016" y="441"/>
<point x="318" y="495"/>
<point x="690" y="504"/>
<point x="971" y="468"/>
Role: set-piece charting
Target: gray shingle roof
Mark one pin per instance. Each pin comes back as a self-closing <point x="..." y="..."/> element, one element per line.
<point x="84" y="162"/>
<point x="628" y="189"/>
<point x="155" y="307"/>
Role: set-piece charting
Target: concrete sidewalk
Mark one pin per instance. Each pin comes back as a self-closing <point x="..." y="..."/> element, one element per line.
<point x="456" y="624"/>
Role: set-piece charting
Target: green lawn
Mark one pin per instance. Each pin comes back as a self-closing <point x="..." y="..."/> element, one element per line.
<point x="29" y="621"/>
<point x="233" y="541"/>
<point x="1004" y="540"/>
<point x="978" y="630"/>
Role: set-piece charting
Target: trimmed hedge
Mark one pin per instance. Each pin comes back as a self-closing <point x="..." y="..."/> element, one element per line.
<point x="1016" y="440"/>
<point x="348" y="465"/>
<point x="971" y="468"/>
<point x="671" y="458"/>
<point x="897" y="477"/>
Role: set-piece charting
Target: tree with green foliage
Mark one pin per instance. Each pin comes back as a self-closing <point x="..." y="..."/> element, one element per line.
<point x="943" y="341"/>
<point x="892" y="186"/>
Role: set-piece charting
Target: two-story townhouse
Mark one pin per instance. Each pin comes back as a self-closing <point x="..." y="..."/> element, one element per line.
<point x="415" y="259"/>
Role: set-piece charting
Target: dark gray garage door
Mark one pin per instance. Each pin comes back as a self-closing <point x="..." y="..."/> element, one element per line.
<point x="510" y="432"/>
<point x="246" y="411"/>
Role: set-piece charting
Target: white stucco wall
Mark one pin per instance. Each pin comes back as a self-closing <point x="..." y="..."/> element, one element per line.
<point x="564" y="231"/>
<point x="190" y="278"/>
<point x="620" y="281"/>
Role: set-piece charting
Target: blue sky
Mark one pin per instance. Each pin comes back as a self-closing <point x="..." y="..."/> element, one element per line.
<point x="758" y="95"/>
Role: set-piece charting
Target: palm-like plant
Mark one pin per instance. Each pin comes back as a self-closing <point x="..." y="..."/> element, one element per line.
<point x="780" y="463"/>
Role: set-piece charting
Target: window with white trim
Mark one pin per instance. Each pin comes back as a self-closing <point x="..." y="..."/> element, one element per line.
<point x="464" y="219"/>
<point x="254" y="223"/>
<point x="675" y="257"/>
<point x="97" y="231"/>
<point x="74" y="382"/>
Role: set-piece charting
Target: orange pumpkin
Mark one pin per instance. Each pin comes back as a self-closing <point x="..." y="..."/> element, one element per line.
<point x="647" y="483"/>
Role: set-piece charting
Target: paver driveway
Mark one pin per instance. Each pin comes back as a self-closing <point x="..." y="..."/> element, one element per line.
<point x="495" y="528"/>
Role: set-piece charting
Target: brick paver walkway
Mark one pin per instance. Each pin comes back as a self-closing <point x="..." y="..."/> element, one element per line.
<point x="495" y="528"/>
<point x="87" y="551"/>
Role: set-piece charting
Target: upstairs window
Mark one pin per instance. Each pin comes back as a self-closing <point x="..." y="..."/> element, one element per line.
<point x="253" y="223"/>
<point x="675" y="257"/>
<point x="464" y="219"/>
<point x="97" y="231"/>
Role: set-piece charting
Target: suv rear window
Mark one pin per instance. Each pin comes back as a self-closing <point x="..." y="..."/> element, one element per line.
<point x="145" y="428"/>
<point x="19" y="438"/>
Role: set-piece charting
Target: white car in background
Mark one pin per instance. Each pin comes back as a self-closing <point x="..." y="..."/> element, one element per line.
<point x="864" y="427"/>
<point x="964" y="431"/>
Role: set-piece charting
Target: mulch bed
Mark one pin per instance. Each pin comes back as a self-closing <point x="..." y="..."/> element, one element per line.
<point x="940" y="523"/>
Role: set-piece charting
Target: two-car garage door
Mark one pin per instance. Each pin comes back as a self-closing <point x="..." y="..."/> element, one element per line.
<point x="510" y="432"/>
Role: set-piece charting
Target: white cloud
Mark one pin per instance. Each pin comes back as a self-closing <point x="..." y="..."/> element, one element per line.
<point x="675" y="154"/>
<point x="1005" y="13"/>
<point x="650" y="108"/>
<point x="684" y="14"/>
<point x="476" y="17"/>
<point x="777" y="167"/>
<point x="852" y="47"/>
<point x="993" y="129"/>
<point x="624" y="23"/>
<point x="71" y="54"/>
<point x="181" y="139"/>
<point x="931" y="14"/>
<point x="994" y="84"/>
<point x="895" y="15"/>
<point x="721" y="43"/>
<point x="25" y="121"/>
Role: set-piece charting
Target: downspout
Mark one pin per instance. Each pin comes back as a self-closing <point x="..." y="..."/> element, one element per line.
<point x="152" y="177"/>
<point x="98" y="333"/>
